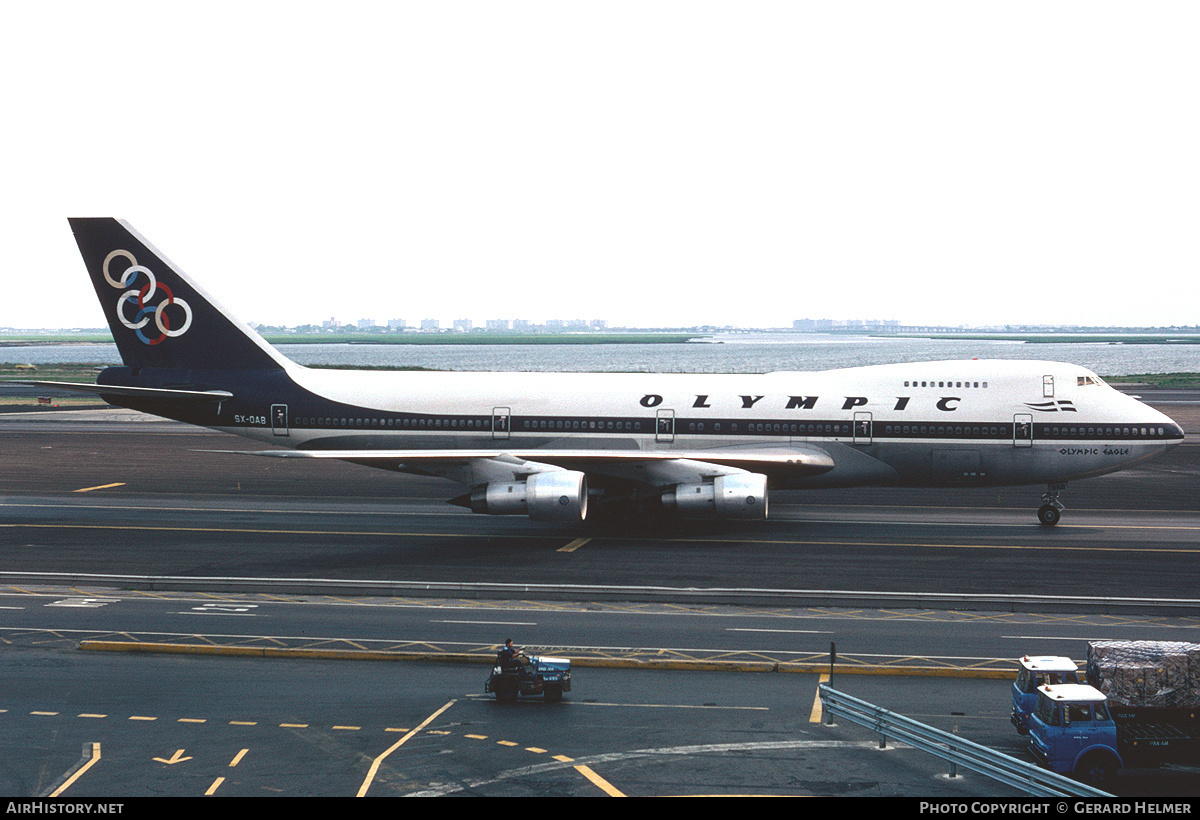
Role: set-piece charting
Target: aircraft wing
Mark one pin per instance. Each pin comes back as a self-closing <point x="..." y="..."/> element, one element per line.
<point x="657" y="468"/>
<point x="137" y="392"/>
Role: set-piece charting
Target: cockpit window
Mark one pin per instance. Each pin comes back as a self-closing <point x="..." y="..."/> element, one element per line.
<point x="1082" y="381"/>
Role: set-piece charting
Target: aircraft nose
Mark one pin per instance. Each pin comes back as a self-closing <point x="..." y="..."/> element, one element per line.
<point x="1172" y="432"/>
<point x="1165" y="428"/>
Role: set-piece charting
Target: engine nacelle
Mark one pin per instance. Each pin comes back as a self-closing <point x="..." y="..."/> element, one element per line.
<point x="556" y="496"/>
<point x="728" y="496"/>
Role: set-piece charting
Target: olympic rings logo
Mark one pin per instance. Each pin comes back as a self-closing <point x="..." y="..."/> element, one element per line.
<point x="141" y="296"/>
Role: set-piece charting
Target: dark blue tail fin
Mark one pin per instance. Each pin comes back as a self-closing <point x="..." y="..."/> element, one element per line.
<point x="160" y="318"/>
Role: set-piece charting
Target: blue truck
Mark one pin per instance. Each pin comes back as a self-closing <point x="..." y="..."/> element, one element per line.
<point x="1139" y="709"/>
<point x="1035" y="671"/>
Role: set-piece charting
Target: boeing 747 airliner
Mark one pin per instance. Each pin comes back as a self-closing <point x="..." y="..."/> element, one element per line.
<point x="556" y="446"/>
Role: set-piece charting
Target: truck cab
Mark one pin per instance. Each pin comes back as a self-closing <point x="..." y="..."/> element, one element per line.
<point x="1071" y="731"/>
<point x="1035" y="671"/>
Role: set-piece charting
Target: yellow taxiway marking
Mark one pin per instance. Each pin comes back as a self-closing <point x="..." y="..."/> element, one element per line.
<point x="95" y="757"/>
<point x="815" y="715"/>
<point x="175" y="758"/>
<point x="216" y="784"/>
<point x="579" y="703"/>
<point x="100" y="487"/>
<point x="574" y="545"/>
<point x="362" y="791"/>
<point x="600" y="782"/>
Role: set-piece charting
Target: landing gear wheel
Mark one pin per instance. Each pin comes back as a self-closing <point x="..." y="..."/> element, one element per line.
<point x="1048" y="515"/>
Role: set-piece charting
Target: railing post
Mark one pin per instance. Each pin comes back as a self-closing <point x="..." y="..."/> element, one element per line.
<point x="826" y="692"/>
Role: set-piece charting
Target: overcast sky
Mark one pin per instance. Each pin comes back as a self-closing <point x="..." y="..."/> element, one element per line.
<point x="647" y="163"/>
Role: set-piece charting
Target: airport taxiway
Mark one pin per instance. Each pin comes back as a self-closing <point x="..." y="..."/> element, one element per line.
<point x="152" y="499"/>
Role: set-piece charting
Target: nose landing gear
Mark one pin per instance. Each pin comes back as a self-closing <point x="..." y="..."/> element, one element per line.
<point x="1051" y="511"/>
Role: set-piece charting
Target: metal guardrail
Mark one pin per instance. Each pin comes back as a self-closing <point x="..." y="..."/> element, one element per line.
<point x="956" y="750"/>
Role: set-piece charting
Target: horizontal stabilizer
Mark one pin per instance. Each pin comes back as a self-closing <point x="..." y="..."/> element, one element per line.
<point x="138" y="392"/>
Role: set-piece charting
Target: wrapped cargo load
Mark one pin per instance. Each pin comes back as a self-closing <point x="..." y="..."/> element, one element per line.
<point x="1155" y="674"/>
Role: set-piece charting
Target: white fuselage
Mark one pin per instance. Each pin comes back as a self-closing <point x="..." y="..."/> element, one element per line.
<point x="934" y="423"/>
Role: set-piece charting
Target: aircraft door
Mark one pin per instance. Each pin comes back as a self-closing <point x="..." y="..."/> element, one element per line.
<point x="863" y="428"/>
<point x="501" y="422"/>
<point x="1023" y="430"/>
<point x="664" y="427"/>
<point x="279" y="419"/>
<point x="1048" y="387"/>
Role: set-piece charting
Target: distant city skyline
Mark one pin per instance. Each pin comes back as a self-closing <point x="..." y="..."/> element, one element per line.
<point x="839" y="326"/>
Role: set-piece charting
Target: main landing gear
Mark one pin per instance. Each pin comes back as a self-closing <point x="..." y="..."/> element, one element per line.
<point x="1051" y="511"/>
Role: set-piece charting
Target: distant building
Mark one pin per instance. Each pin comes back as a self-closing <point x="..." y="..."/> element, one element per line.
<point x="845" y="325"/>
<point x="463" y="325"/>
<point x="430" y="324"/>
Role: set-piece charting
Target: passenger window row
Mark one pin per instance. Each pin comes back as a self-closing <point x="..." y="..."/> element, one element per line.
<point x="578" y="424"/>
<point x="1056" y="431"/>
<point x="948" y="430"/>
<point x="484" y="424"/>
<point x="931" y="383"/>
<point x="375" y="422"/>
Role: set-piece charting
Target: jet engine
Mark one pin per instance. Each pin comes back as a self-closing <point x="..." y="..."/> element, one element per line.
<point x="556" y="496"/>
<point x="743" y="495"/>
